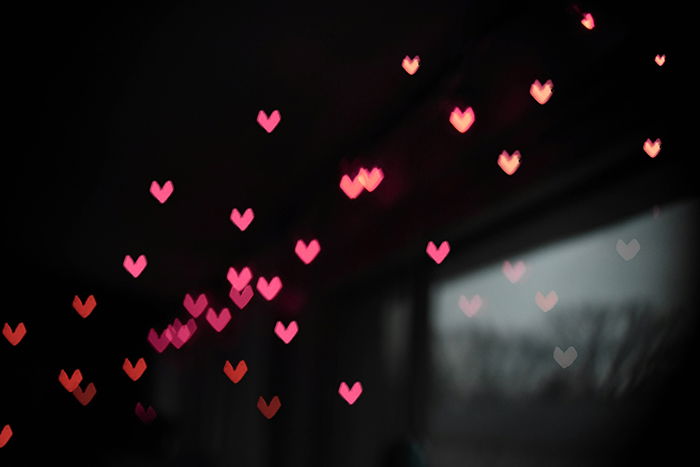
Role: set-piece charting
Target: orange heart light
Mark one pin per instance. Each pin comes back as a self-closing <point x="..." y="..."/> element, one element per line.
<point x="236" y="374"/>
<point x="84" y="309"/>
<point x="134" y="372"/>
<point x="462" y="121"/>
<point x="509" y="164"/>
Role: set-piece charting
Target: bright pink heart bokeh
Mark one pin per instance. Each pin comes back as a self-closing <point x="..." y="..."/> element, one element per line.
<point x="438" y="254"/>
<point x="239" y="281"/>
<point x="271" y="122"/>
<point x="135" y="268"/>
<point x="509" y="163"/>
<point x="351" y="187"/>
<point x="350" y="394"/>
<point x="162" y="194"/>
<point x="242" y="221"/>
<point x="269" y="290"/>
<point x="286" y="333"/>
<point x="411" y="64"/>
<point x="307" y="253"/>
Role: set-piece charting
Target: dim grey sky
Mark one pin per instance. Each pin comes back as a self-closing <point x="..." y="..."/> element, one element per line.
<point x="583" y="270"/>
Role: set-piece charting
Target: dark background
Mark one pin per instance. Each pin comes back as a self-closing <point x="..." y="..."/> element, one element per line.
<point x="101" y="100"/>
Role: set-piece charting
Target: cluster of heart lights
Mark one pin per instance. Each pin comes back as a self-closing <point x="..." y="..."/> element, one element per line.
<point x="241" y="292"/>
<point x="364" y="180"/>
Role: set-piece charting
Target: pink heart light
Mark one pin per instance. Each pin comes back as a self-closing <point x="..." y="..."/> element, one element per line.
<point x="137" y="267"/>
<point x="307" y="253"/>
<point x="159" y="342"/>
<point x="350" y="395"/>
<point x="438" y="254"/>
<point x="546" y="303"/>
<point x="286" y="333"/>
<point x="162" y="194"/>
<point x="351" y="187"/>
<point x="218" y="322"/>
<point x="195" y="308"/>
<point x="271" y="122"/>
<point x="513" y="273"/>
<point x="239" y="281"/>
<point x="241" y="299"/>
<point x="470" y="308"/>
<point x="370" y="180"/>
<point x="242" y="221"/>
<point x="271" y="289"/>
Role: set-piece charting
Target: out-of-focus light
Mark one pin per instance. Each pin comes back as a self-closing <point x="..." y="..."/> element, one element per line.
<point x="195" y="308"/>
<point x="162" y="194"/>
<point x="470" y="307"/>
<point x="271" y="122"/>
<point x="84" y="309"/>
<point x="588" y="21"/>
<point x="159" y="342"/>
<point x="351" y="187"/>
<point x="269" y="410"/>
<point x="84" y="397"/>
<point x="242" y="298"/>
<point x="135" y="268"/>
<point x="462" y="121"/>
<point x="411" y="65"/>
<point x="509" y="164"/>
<point x="541" y="92"/>
<point x="565" y="359"/>
<point x="286" y="333"/>
<point x="134" y="372"/>
<point x="350" y="394"/>
<point x="70" y="383"/>
<point x="13" y="337"/>
<point x="239" y="281"/>
<point x="438" y="254"/>
<point x="307" y="253"/>
<point x="652" y="149"/>
<point x="513" y="273"/>
<point x="370" y="179"/>
<point x="235" y="375"/>
<point x="5" y="435"/>
<point x="546" y="303"/>
<point x="145" y="415"/>
<point x="627" y="250"/>
<point x="242" y="221"/>
<point x="269" y="289"/>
